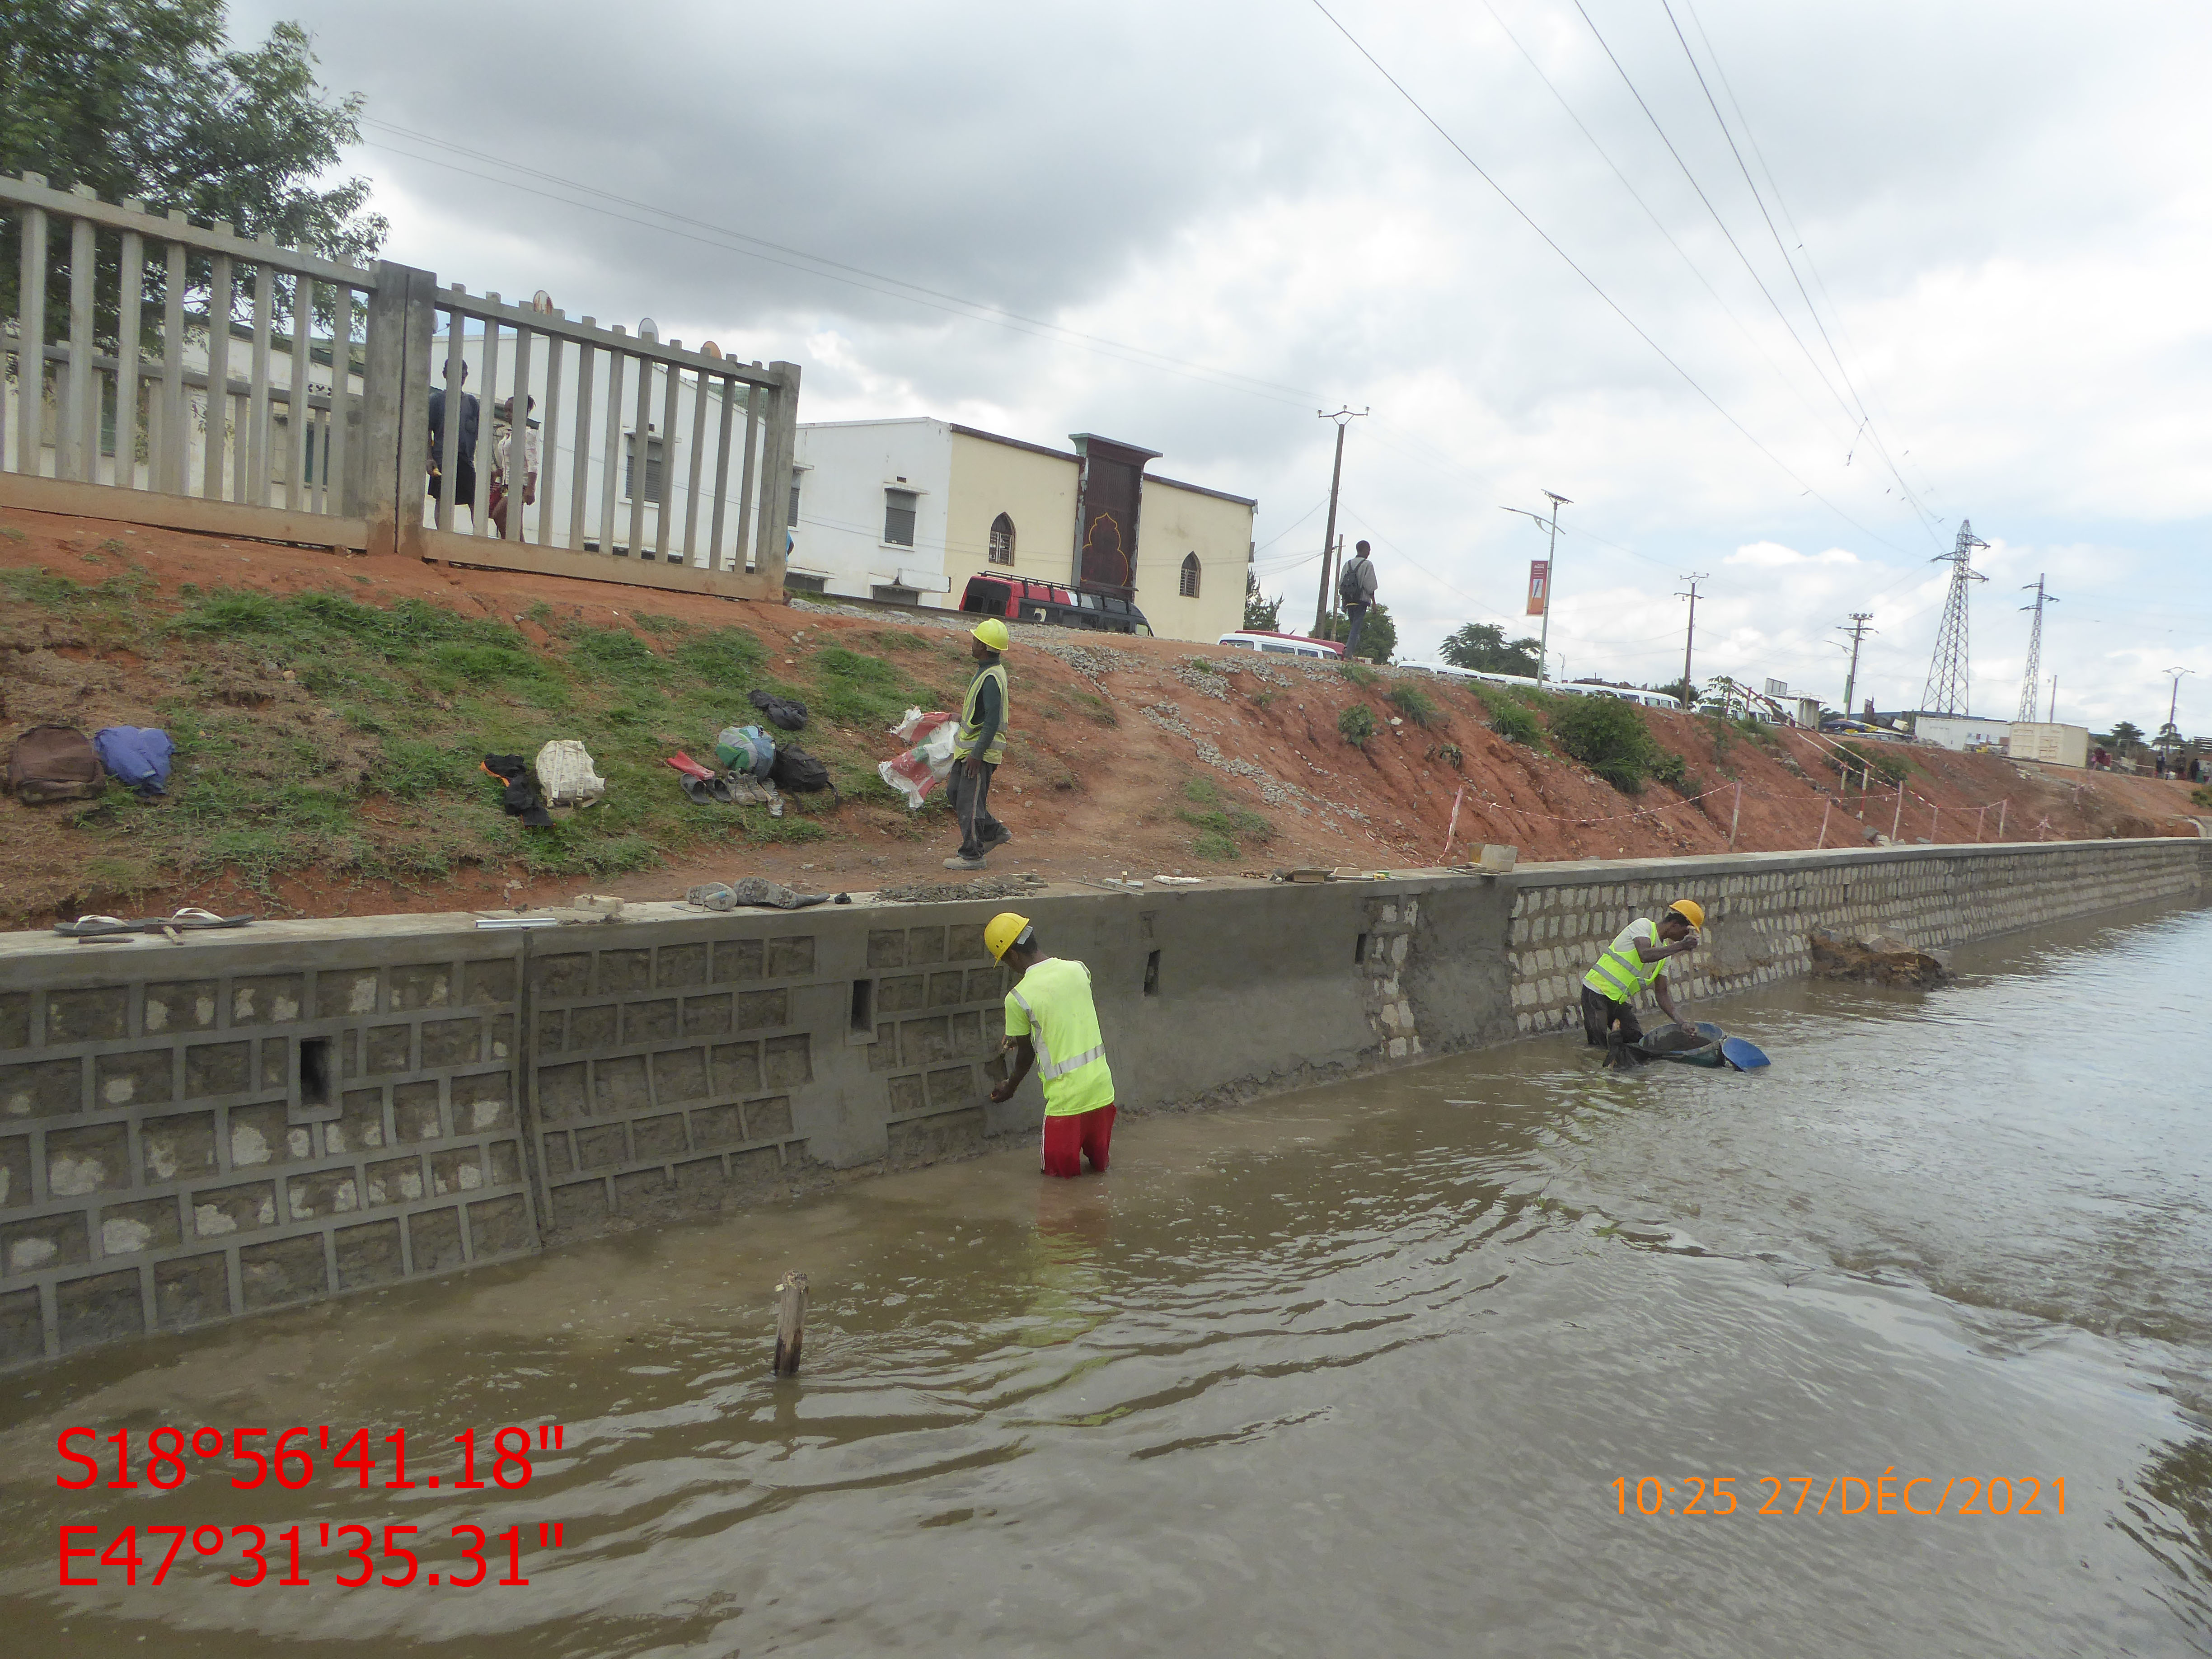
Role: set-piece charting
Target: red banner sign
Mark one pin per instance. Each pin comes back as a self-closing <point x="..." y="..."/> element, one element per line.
<point x="1540" y="581"/>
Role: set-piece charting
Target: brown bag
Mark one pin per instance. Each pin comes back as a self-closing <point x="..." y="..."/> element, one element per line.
<point x="54" y="762"/>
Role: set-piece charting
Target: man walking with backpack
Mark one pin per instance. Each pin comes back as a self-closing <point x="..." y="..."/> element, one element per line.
<point x="1355" y="587"/>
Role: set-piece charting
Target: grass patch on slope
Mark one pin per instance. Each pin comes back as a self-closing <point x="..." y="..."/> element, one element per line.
<point x="367" y="763"/>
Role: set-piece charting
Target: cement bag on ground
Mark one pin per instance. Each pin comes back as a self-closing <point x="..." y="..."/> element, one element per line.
<point x="928" y="762"/>
<point x="566" y="776"/>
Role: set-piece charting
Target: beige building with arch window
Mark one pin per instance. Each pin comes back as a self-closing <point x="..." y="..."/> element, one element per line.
<point x="908" y="510"/>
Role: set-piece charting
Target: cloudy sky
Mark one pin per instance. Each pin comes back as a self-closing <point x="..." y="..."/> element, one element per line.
<point x="1192" y="226"/>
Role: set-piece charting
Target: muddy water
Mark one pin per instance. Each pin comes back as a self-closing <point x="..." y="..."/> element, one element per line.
<point x="1348" y="1372"/>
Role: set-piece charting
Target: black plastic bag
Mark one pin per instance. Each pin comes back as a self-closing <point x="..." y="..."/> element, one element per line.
<point x="789" y="713"/>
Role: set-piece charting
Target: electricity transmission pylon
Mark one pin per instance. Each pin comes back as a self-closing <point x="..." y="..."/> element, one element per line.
<point x="2033" y="682"/>
<point x="1948" y="689"/>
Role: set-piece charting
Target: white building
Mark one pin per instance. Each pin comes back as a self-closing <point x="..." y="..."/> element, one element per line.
<point x="2052" y="745"/>
<point x="1960" y="732"/>
<point x="908" y="510"/>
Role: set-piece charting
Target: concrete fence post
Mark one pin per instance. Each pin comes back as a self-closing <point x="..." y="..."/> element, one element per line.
<point x="395" y="417"/>
<point x="779" y="451"/>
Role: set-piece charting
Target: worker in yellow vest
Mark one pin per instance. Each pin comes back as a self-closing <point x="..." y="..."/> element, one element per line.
<point x="1635" y="961"/>
<point x="978" y="748"/>
<point x="1052" y="1023"/>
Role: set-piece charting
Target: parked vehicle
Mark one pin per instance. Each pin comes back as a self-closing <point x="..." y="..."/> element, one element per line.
<point x="1281" y="645"/>
<point x="1024" y="598"/>
<point x="1557" y="688"/>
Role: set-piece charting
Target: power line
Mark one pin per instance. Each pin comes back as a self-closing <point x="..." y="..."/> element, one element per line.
<point x="1760" y="202"/>
<point x="1789" y="219"/>
<point x="723" y="237"/>
<point x="1750" y="338"/>
<point x="1613" y="305"/>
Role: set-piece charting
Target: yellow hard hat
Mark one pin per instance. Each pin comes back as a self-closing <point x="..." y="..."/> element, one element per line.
<point x="1003" y="929"/>
<point x="992" y="633"/>
<point x="1691" y="911"/>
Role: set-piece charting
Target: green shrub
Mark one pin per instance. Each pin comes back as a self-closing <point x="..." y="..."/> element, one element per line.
<point x="1356" y="724"/>
<point x="1610" y="738"/>
<point x="1891" y="768"/>
<point x="1358" y="673"/>
<point x="1514" y="720"/>
<point x="2201" y="796"/>
<point x="1416" y="705"/>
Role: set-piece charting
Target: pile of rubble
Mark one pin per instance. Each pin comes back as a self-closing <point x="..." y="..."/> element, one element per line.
<point x="1877" y="958"/>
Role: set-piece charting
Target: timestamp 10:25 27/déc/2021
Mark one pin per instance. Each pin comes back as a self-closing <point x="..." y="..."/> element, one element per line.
<point x="1887" y="1493"/>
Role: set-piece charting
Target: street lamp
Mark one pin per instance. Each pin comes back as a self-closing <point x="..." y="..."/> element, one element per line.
<point x="1551" y="572"/>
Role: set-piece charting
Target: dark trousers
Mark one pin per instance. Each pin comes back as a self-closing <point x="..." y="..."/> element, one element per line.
<point x="971" y="799"/>
<point x="461" y="487"/>
<point x="1599" y="1012"/>
<point x="1358" y="615"/>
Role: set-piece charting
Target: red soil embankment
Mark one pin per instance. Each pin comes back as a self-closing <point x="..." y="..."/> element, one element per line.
<point x="1144" y="756"/>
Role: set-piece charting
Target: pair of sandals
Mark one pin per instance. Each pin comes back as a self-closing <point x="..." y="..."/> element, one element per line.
<point x="707" y="788"/>
<point x="190" y="919"/>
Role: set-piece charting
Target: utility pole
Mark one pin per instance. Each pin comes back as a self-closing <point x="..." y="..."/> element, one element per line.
<point x="1343" y="417"/>
<point x="1859" y="631"/>
<point x="1551" y="574"/>
<point x="2033" y="678"/>
<point x="2054" y="700"/>
<point x="1689" y="686"/>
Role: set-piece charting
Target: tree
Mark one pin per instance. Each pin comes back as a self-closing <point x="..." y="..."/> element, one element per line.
<point x="1261" y="613"/>
<point x="2125" y="739"/>
<point x="1683" y="691"/>
<point x="1482" y="646"/>
<point x="1377" y="640"/>
<point x="147" y="98"/>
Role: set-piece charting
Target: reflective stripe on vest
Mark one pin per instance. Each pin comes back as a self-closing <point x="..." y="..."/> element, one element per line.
<point x="1621" y="975"/>
<point x="1075" y="1080"/>
<point x="970" y="728"/>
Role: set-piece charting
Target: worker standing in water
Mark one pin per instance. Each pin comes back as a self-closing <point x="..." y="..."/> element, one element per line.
<point x="978" y="748"/>
<point x="1636" y="959"/>
<point x="1052" y="1023"/>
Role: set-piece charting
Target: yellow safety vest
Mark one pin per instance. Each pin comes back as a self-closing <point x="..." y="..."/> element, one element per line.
<point x="1052" y="1007"/>
<point x="965" y="744"/>
<point x="1621" y="973"/>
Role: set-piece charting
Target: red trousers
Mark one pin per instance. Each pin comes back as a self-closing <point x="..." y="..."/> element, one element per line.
<point x="1072" y="1137"/>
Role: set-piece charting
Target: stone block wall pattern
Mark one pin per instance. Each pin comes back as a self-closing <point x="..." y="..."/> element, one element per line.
<point x="190" y="1134"/>
<point x="252" y="1120"/>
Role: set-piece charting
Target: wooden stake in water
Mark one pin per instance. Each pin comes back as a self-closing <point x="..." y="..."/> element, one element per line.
<point x="790" y="1323"/>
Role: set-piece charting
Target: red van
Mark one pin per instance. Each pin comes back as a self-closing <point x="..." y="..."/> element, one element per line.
<point x="1024" y="598"/>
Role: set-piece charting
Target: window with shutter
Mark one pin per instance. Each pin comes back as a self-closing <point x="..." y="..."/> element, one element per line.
<point x="1002" y="540"/>
<point x="1190" y="575"/>
<point x="898" y="517"/>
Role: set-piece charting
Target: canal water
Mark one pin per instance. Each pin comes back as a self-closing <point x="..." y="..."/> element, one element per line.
<point x="1373" y="1369"/>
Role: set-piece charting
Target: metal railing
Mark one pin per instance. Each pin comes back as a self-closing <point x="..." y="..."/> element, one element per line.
<point x="163" y="371"/>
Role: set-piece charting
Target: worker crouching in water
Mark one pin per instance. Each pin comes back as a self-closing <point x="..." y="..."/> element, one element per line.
<point x="978" y="748"/>
<point x="1052" y="1023"/>
<point x="1637" y="960"/>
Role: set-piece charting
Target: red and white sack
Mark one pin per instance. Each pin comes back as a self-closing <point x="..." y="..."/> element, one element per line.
<point x="928" y="762"/>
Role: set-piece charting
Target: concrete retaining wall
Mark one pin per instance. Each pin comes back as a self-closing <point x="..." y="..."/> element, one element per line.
<point x="253" y="1120"/>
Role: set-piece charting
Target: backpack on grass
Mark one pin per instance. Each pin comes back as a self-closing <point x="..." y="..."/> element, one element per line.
<point x="798" y="771"/>
<point x="54" y="762"/>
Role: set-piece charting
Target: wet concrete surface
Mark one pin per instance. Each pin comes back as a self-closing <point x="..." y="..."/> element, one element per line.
<point x="1353" y="1371"/>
